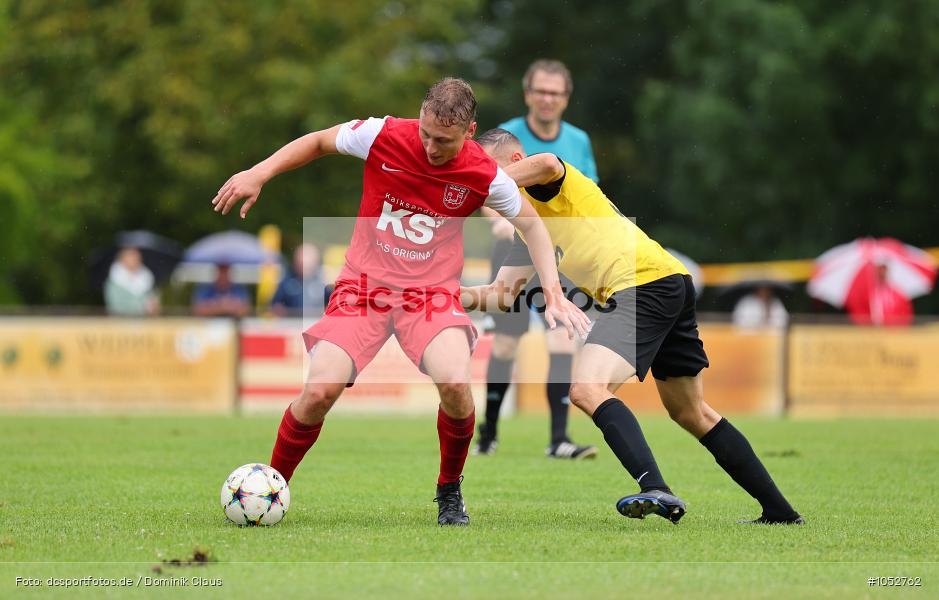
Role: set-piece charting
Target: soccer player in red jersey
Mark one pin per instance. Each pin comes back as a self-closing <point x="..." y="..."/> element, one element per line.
<point x="422" y="177"/>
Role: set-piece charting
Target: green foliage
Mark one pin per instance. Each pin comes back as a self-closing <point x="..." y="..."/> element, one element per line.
<point x="786" y="131"/>
<point x="745" y="129"/>
<point x="30" y="172"/>
<point x="738" y="134"/>
<point x="731" y="129"/>
<point x="158" y="102"/>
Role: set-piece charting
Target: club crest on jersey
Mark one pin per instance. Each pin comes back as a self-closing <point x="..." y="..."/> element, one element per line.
<point x="454" y="195"/>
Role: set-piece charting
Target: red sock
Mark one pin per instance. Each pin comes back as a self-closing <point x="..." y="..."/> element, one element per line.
<point x="293" y="440"/>
<point x="455" y="437"/>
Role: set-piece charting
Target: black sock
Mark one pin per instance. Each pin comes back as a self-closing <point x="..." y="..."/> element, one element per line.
<point x="734" y="454"/>
<point x="559" y="389"/>
<point x="624" y="436"/>
<point x="498" y="374"/>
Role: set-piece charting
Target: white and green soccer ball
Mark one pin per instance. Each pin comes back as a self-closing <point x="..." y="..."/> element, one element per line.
<point x="255" y="494"/>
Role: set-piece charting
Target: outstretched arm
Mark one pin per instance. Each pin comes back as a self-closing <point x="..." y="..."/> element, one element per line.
<point x="540" y="247"/>
<point x="246" y="185"/>
<point x="499" y="295"/>
<point x="537" y="169"/>
<point x="557" y="307"/>
<point x="522" y="216"/>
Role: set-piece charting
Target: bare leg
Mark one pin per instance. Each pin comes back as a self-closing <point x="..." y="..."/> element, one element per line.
<point x="447" y="361"/>
<point x="330" y="369"/>
<point x="599" y="372"/>
<point x="683" y="398"/>
<point x="329" y="372"/>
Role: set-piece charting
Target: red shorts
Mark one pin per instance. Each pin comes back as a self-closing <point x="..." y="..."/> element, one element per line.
<point x="361" y="323"/>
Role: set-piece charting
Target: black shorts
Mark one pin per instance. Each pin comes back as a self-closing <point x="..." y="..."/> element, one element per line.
<point x="515" y="321"/>
<point x="653" y="326"/>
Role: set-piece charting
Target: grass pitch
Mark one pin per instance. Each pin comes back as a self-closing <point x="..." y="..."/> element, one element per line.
<point x="122" y="497"/>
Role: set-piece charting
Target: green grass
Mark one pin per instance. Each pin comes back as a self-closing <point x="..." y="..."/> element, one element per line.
<point x="114" y="497"/>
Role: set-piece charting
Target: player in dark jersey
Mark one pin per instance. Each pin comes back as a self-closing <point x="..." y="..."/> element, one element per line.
<point x="647" y="322"/>
<point x="401" y="276"/>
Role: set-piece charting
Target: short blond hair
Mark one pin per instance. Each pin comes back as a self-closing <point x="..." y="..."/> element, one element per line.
<point x="452" y="101"/>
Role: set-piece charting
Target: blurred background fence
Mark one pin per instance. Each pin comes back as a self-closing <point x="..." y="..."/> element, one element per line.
<point x="220" y="365"/>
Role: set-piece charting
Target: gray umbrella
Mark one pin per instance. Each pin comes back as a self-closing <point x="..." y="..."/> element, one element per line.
<point x="229" y="248"/>
<point x="159" y="254"/>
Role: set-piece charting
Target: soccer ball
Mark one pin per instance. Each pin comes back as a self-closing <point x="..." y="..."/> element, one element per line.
<point x="255" y="494"/>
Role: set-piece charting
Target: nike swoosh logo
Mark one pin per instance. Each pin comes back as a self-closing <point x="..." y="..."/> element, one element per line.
<point x="456" y="313"/>
<point x="385" y="167"/>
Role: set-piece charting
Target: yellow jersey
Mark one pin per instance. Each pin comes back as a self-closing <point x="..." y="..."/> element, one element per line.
<point x="598" y="248"/>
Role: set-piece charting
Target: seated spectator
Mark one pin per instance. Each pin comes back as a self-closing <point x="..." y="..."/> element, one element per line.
<point x="222" y="298"/>
<point x="129" y="286"/>
<point x="760" y="308"/>
<point x="302" y="290"/>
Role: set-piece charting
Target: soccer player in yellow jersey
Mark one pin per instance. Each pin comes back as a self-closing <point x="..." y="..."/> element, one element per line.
<point x="646" y="321"/>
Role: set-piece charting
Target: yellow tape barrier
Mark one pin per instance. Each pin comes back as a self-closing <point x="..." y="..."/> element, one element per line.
<point x="715" y="274"/>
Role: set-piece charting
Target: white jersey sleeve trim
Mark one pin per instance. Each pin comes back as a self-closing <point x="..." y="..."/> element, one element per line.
<point x="504" y="197"/>
<point x="357" y="136"/>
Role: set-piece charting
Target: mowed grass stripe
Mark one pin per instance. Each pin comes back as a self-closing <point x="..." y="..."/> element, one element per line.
<point x="141" y="490"/>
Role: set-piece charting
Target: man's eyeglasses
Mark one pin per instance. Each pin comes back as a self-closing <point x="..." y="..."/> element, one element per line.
<point x="548" y="93"/>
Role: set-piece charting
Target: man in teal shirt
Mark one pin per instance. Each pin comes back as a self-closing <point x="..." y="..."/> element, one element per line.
<point x="547" y="85"/>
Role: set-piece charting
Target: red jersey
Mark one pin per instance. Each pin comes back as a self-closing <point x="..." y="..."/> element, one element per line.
<point x="409" y="233"/>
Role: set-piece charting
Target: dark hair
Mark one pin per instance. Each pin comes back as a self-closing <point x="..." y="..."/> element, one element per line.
<point x="497" y="139"/>
<point x="555" y="67"/>
<point x="452" y="101"/>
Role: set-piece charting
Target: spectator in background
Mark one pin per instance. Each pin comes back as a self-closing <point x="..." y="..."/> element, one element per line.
<point x="129" y="289"/>
<point x="302" y="290"/>
<point x="760" y="308"/>
<point x="547" y="85"/>
<point x="222" y="298"/>
<point x="877" y="302"/>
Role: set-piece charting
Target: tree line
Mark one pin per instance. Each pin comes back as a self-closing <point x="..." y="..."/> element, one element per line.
<point x="732" y="130"/>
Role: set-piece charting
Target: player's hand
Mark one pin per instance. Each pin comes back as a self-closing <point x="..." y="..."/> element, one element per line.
<point x="563" y="311"/>
<point x="240" y="186"/>
<point x="502" y="229"/>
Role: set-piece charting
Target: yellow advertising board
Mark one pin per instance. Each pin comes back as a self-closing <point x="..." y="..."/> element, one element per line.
<point x="745" y="376"/>
<point x="852" y="370"/>
<point x="117" y="364"/>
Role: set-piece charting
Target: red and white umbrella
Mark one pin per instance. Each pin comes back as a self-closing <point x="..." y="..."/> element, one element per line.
<point x="847" y="271"/>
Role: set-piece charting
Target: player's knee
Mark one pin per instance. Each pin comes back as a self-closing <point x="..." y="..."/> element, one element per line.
<point x="584" y="395"/>
<point x="689" y="417"/>
<point x="456" y="399"/>
<point x="453" y="390"/>
<point x="316" y="399"/>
